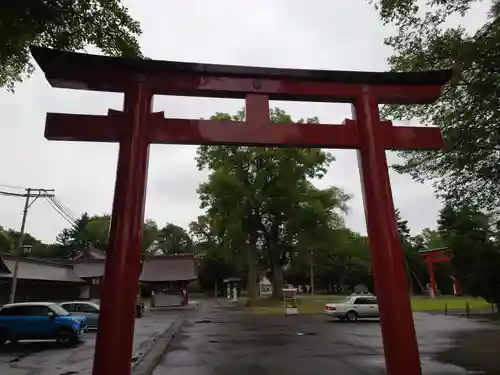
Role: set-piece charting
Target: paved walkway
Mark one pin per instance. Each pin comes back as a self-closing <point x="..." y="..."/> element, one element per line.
<point x="219" y="339"/>
<point x="47" y="358"/>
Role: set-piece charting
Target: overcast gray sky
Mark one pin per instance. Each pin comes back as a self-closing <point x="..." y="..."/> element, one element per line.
<point x="319" y="34"/>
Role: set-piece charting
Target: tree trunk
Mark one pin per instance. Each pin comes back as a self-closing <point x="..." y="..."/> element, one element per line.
<point x="311" y="274"/>
<point x="410" y="285"/>
<point x="409" y="278"/>
<point x="252" y="272"/>
<point x="277" y="280"/>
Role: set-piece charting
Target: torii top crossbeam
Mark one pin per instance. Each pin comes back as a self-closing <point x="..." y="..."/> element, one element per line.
<point x="101" y="73"/>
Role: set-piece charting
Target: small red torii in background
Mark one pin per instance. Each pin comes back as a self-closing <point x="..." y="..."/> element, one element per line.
<point x="439" y="255"/>
<point x="136" y="127"/>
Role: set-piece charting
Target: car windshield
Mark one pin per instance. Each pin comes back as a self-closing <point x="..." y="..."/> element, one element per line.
<point x="59" y="310"/>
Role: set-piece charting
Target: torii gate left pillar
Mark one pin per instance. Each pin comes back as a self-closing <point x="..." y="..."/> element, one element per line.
<point x="136" y="127"/>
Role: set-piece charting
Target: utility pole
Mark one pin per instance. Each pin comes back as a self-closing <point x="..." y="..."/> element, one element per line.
<point x="30" y="193"/>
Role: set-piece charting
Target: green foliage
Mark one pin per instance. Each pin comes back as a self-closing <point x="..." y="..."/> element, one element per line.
<point x="150" y="234"/>
<point x="64" y="25"/>
<point x="215" y="261"/>
<point x="6" y="245"/>
<point x="93" y="231"/>
<point x="467" y="113"/>
<point x="262" y="202"/>
<point x="470" y="235"/>
<point x="173" y="239"/>
<point x="416" y="271"/>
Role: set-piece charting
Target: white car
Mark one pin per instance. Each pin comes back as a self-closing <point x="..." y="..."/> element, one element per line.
<point x="353" y="308"/>
<point x="83" y="308"/>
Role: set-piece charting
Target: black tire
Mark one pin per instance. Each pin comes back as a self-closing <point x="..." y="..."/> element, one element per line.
<point x="3" y="336"/>
<point x="352" y="316"/>
<point x="65" y="336"/>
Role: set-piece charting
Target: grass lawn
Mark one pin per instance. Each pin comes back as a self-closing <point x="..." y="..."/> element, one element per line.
<point x="453" y="303"/>
<point x="313" y="305"/>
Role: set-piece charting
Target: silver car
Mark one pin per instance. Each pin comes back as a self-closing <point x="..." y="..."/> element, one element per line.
<point x="84" y="308"/>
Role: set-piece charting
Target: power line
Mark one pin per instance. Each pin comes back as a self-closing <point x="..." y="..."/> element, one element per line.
<point x="13" y="187"/>
<point x="60" y="212"/>
<point x="9" y="194"/>
<point x="64" y="208"/>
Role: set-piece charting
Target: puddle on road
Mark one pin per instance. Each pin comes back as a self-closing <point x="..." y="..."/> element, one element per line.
<point x="376" y="365"/>
<point x="307" y="333"/>
<point x="208" y="321"/>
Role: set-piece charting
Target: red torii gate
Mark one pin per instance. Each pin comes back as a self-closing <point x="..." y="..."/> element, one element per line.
<point x="439" y="255"/>
<point x="136" y="127"/>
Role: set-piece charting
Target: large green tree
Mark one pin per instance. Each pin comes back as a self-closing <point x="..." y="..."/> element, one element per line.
<point x="173" y="239"/>
<point x="254" y="193"/>
<point x="65" y="25"/>
<point x="468" y="171"/>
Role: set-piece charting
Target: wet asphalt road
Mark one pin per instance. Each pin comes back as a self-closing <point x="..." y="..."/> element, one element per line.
<point x="223" y="340"/>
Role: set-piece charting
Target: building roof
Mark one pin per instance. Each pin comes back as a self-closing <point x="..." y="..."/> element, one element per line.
<point x="71" y="70"/>
<point x="39" y="269"/>
<point x="89" y="268"/>
<point x="265" y="281"/>
<point x="90" y="253"/>
<point x="165" y="268"/>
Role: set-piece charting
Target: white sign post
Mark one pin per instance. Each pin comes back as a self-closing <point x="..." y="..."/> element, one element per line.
<point x="290" y="301"/>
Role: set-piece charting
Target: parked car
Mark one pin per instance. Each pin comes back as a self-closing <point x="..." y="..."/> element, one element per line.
<point x="91" y="310"/>
<point x="84" y="308"/>
<point x="353" y="308"/>
<point x="40" y="321"/>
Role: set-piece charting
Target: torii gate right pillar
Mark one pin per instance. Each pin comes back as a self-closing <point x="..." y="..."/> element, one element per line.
<point x="398" y="331"/>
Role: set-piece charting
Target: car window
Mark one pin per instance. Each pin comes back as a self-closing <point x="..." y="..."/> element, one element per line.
<point x="61" y="311"/>
<point x="36" y="310"/>
<point x="362" y="301"/>
<point x="350" y="300"/>
<point x="86" y="308"/>
<point x="372" y="301"/>
<point x="13" y="311"/>
<point x="70" y="307"/>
